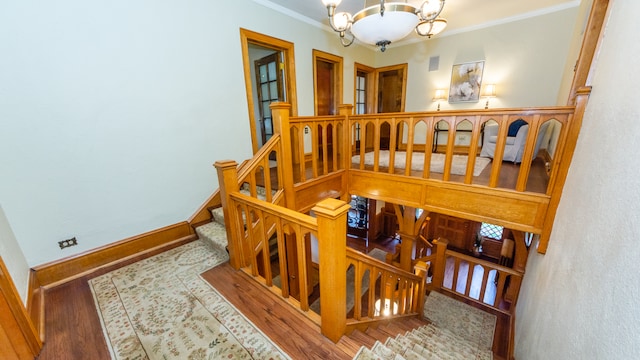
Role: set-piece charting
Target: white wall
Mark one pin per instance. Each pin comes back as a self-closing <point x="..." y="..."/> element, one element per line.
<point x="582" y="299"/>
<point x="525" y="60"/>
<point x="13" y="257"/>
<point x="112" y="113"/>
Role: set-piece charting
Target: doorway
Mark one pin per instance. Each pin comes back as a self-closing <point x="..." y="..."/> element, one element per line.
<point x="277" y="57"/>
<point x="270" y="84"/>
<point x="327" y="81"/>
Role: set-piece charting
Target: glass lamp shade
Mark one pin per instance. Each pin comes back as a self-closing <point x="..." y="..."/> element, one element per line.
<point x="438" y="25"/>
<point x="430" y="28"/>
<point x="430" y="9"/>
<point x="331" y="2"/>
<point x="439" y="95"/>
<point x="489" y="90"/>
<point x="341" y="21"/>
<point x="398" y="21"/>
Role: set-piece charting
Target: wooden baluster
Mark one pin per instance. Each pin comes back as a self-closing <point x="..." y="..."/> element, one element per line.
<point x="483" y="287"/>
<point x="345" y="145"/>
<point x="373" y="276"/>
<point x="470" y="272"/>
<point x="451" y="140"/>
<point x="325" y="148"/>
<point x="300" y="148"/>
<point x="426" y="170"/>
<point x="456" y="270"/>
<point x="332" y="230"/>
<point x="473" y="150"/>
<point x="282" y="258"/>
<point x="314" y="150"/>
<point x="357" y="291"/>
<point x="410" y="135"/>
<point x="499" y="152"/>
<point x="527" y="156"/>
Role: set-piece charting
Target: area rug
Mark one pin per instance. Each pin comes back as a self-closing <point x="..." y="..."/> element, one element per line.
<point x="458" y="163"/>
<point x="160" y="308"/>
<point x="376" y="254"/>
<point x="474" y="325"/>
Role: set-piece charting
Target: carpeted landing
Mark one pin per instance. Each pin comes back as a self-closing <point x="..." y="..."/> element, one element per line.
<point x="160" y="308"/>
<point x="457" y="331"/>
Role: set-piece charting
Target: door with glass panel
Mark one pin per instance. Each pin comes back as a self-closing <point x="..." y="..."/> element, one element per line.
<point x="269" y="82"/>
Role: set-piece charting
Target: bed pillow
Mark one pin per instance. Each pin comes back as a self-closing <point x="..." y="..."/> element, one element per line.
<point x="515" y="126"/>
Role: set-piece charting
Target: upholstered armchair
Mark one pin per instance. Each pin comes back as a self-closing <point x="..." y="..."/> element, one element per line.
<point x="514" y="147"/>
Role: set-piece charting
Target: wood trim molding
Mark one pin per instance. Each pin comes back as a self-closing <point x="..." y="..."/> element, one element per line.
<point x="63" y="270"/>
<point x="589" y="50"/>
<point x="287" y="49"/>
<point x="35" y="304"/>
<point x="20" y="338"/>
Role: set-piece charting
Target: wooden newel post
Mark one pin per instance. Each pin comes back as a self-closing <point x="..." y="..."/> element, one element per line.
<point x="421" y="269"/>
<point x="228" y="182"/>
<point x="438" y="272"/>
<point x="332" y="252"/>
<point x="280" y="117"/>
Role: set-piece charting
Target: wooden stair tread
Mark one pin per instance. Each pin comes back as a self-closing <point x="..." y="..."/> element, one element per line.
<point x="362" y="338"/>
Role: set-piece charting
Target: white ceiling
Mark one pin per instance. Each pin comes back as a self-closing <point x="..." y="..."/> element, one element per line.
<point x="461" y="15"/>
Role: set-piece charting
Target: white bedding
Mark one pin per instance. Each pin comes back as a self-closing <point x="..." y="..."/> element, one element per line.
<point x="458" y="164"/>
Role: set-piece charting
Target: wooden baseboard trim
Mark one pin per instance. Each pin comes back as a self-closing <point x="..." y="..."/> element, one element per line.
<point x="19" y="335"/>
<point x="35" y="304"/>
<point x="63" y="270"/>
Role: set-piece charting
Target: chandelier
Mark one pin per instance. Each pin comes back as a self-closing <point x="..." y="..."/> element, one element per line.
<point x="387" y="22"/>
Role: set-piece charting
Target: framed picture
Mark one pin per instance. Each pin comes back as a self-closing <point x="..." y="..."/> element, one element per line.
<point x="466" y="81"/>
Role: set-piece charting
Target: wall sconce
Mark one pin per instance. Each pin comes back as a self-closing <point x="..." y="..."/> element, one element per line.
<point x="439" y="96"/>
<point x="489" y="92"/>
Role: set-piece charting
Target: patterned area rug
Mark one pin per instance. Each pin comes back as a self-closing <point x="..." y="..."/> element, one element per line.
<point x="474" y="325"/>
<point x="160" y="308"/>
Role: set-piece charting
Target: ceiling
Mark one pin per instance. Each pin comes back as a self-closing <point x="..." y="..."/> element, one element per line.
<point x="461" y="15"/>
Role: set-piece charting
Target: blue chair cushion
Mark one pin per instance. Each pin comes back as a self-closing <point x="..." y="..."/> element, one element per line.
<point x="515" y="126"/>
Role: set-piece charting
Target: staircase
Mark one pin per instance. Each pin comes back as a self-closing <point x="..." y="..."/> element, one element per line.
<point x="409" y="339"/>
<point x="425" y="342"/>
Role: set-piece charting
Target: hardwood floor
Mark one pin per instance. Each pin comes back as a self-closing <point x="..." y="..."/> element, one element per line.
<point x="73" y="329"/>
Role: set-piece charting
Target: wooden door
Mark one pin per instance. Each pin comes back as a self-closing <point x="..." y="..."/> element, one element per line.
<point x="457" y="231"/>
<point x="325" y="93"/>
<point x="391" y="90"/>
<point x="269" y="80"/>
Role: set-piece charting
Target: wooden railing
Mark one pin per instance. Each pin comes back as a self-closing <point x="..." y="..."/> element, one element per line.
<point x="380" y="290"/>
<point x="262" y="175"/>
<point x="481" y="281"/>
<point x="310" y="163"/>
<point x="253" y="225"/>
<point x="393" y="157"/>
<point x="396" y="143"/>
